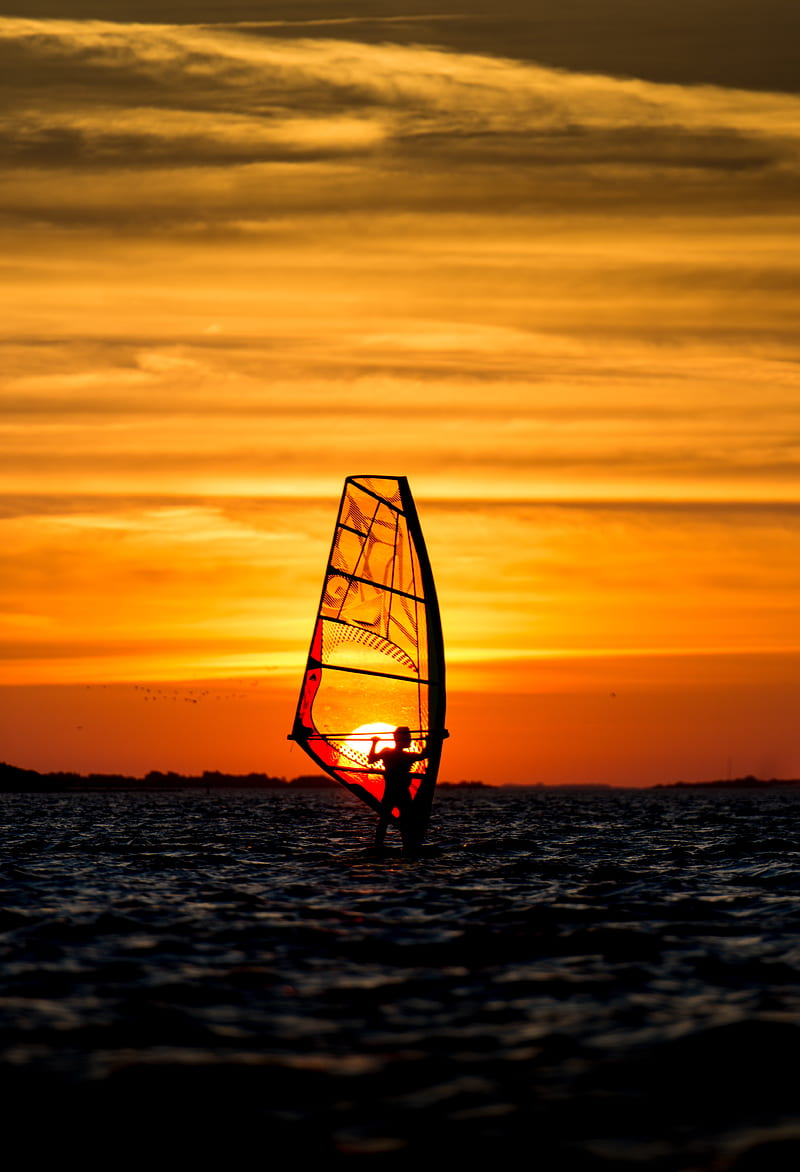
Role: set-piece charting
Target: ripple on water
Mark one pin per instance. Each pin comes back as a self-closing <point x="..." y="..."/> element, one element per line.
<point x="612" y="973"/>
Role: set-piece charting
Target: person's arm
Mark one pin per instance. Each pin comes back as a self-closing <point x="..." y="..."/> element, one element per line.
<point x="373" y="755"/>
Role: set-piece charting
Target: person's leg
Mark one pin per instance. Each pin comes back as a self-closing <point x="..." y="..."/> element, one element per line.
<point x="383" y="822"/>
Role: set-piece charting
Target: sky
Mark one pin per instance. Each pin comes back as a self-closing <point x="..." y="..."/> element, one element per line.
<point x="542" y="263"/>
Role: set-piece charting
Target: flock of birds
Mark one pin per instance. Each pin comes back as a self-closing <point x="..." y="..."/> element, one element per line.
<point x="187" y="695"/>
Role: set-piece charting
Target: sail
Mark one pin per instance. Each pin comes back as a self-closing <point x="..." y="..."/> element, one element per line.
<point x="376" y="660"/>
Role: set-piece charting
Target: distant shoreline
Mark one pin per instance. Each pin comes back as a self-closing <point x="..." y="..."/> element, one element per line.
<point x="13" y="778"/>
<point x="16" y="780"/>
<point x="748" y="782"/>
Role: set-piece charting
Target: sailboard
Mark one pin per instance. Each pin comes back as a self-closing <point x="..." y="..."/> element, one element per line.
<point x="376" y="660"/>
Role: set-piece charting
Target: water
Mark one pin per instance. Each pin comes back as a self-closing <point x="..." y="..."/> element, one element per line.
<point x="603" y="980"/>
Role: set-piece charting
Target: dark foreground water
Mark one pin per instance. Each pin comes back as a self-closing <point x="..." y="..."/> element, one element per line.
<point x="588" y="980"/>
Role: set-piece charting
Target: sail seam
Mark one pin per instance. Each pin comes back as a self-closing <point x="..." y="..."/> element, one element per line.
<point x="358" y="559"/>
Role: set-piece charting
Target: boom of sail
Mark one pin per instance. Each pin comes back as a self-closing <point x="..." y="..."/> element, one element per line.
<point x="377" y="659"/>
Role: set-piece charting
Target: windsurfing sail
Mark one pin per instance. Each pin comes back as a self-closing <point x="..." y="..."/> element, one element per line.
<point x="377" y="658"/>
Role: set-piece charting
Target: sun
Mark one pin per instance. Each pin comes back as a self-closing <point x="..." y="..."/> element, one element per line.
<point x="360" y="739"/>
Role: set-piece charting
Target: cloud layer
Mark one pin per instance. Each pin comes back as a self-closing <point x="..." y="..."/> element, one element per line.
<point x="310" y="125"/>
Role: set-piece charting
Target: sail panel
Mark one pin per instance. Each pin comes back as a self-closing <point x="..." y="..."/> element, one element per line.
<point x="376" y="658"/>
<point x="384" y="488"/>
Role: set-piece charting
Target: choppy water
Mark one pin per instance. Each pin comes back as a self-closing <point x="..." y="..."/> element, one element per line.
<point x="602" y="980"/>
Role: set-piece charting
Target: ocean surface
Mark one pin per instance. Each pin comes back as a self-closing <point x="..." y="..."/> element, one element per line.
<point x="587" y="980"/>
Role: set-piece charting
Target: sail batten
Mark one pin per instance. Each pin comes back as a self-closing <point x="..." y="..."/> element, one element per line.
<point x="386" y="675"/>
<point x="350" y="529"/>
<point x="369" y="582"/>
<point x="376" y="660"/>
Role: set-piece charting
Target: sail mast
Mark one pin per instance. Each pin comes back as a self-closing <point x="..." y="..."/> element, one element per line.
<point x="436" y="669"/>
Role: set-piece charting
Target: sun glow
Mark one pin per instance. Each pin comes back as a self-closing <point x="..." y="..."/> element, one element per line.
<point x="360" y="739"/>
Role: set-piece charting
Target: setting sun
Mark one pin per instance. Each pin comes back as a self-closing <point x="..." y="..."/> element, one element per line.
<point x="360" y="740"/>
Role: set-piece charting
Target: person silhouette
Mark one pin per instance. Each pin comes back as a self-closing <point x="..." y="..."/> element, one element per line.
<point x="397" y="764"/>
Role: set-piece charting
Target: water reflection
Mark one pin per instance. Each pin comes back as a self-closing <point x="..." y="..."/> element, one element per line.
<point x="614" y="972"/>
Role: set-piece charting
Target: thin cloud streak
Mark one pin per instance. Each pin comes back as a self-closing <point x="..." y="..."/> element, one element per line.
<point x="562" y="582"/>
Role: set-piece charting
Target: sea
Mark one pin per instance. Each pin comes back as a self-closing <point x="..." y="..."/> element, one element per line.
<point x="572" y="979"/>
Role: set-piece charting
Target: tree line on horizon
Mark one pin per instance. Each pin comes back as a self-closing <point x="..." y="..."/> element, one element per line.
<point x="15" y="779"/>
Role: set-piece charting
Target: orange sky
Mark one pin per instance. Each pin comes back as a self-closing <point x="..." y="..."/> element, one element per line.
<point x="547" y="273"/>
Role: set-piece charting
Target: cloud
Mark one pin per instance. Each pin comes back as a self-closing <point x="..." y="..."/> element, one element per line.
<point x="177" y="587"/>
<point x="385" y="124"/>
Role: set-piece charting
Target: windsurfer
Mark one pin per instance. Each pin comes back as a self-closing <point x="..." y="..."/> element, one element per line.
<point x="397" y="764"/>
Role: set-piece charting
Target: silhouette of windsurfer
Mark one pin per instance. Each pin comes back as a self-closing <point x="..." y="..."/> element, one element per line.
<point x="397" y="762"/>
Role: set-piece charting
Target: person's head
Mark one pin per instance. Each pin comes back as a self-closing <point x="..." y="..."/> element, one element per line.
<point x="402" y="736"/>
